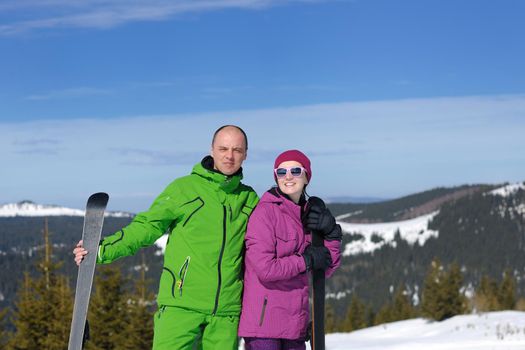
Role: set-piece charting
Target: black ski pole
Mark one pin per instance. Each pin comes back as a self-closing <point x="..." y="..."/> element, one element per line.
<point x="318" y="290"/>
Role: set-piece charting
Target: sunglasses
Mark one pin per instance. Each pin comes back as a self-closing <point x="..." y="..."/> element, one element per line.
<point x="296" y="171"/>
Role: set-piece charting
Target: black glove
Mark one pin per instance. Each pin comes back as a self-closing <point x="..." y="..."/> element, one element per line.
<point x="317" y="258"/>
<point x="319" y="218"/>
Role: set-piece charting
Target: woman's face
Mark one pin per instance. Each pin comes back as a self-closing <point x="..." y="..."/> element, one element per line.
<point x="289" y="184"/>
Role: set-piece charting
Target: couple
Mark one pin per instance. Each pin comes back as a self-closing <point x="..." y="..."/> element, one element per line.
<point x="206" y="215"/>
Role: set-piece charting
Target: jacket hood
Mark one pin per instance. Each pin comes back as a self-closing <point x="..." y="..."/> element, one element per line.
<point x="222" y="181"/>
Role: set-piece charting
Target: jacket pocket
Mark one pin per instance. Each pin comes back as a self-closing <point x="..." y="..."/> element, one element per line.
<point x="287" y="243"/>
<point x="183" y="271"/>
<point x="191" y="207"/>
<point x="263" y="311"/>
<point x="168" y="282"/>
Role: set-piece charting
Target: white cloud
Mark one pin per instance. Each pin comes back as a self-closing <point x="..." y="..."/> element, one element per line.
<point x="110" y="13"/>
<point x="372" y="148"/>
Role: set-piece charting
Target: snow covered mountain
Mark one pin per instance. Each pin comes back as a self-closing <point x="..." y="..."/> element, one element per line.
<point x="369" y="237"/>
<point x="28" y="208"/>
<point x="504" y="330"/>
<point x="374" y="236"/>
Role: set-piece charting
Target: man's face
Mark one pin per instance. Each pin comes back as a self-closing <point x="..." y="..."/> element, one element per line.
<point x="228" y="150"/>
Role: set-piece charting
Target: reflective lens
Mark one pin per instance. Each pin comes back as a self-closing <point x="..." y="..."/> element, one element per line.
<point x="280" y="172"/>
<point x="295" y="171"/>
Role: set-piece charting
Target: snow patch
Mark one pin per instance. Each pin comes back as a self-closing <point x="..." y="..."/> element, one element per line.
<point x="504" y="330"/>
<point x="376" y="235"/>
<point x="344" y="216"/>
<point x="28" y="208"/>
<point x="508" y="190"/>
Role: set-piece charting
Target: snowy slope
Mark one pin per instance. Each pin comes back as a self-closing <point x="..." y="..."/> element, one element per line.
<point x="491" y="331"/>
<point x="508" y="189"/>
<point x="28" y="208"/>
<point x="412" y="231"/>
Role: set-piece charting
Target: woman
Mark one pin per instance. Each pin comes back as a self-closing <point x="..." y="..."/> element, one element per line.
<point x="275" y="310"/>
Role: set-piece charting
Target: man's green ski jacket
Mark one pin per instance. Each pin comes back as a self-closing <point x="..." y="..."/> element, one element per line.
<point x="205" y="215"/>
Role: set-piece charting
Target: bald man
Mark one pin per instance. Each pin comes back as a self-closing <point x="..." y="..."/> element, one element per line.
<point x="205" y="214"/>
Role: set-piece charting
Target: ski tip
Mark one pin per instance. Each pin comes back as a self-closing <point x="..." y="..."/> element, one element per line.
<point x="99" y="198"/>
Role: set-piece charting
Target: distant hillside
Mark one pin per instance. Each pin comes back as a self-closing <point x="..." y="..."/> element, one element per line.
<point x="403" y="208"/>
<point x="483" y="230"/>
<point x="385" y="244"/>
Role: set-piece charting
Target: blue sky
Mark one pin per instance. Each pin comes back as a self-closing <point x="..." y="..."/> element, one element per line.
<point x="387" y="97"/>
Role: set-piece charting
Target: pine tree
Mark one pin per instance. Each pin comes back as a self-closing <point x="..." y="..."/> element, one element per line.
<point x="507" y="291"/>
<point x="3" y="332"/>
<point x="25" y="319"/>
<point x="442" y="296"/>
<point x="60" y="296"/>
<point x="454" y="302"/>
<point x="43" y="308"/>
<point x="330" y="323"/>
<point x="402" y="308"/>
<point x="139" y="329"/>
<point x="486" y="298"/>
<point x="356" y="315"/>
<point x="108" y="311"/>
<point x="399" y="309"/>
<point x="384" y="315"/>
<point x="431" y="290"/>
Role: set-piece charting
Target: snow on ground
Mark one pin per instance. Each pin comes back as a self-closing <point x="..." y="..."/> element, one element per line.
<point x="503" y="330"/>
<point x="508" y="189"/>
<point x="377" y="235"/>
<point x="28" y="208"/>
<point x="344" y="216"/>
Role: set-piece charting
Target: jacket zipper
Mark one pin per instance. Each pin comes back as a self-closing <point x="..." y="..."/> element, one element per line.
<point x="225" y="216"/>
<point x="263" y="311"/>
<point x="182" y="274"/>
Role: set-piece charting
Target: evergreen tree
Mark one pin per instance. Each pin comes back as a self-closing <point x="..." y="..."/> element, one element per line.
<point x="356" y="315"/>
<point x="108" y="310"/>
<point x="399" y="309"/>
<point x="3" y="332"/>
<point x="330" y="323"/>
<point x="60" y="296"/>
<point x="454" y="302"/>
<point x="402" y="308"/>
<point x="431" y="290"/>
<point x="139" y="329"/>
<point x="486" y="298"/>
<point x="25" y="319"/>
<point x="442" y="296"/>
<point x="43" y="308"/>
<point x="507" y="292"/>
<point x="520" y="304"/>
<point x="384" y="315"/>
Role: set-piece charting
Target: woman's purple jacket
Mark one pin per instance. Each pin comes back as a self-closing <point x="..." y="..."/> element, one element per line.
<point x="275" y="299"/>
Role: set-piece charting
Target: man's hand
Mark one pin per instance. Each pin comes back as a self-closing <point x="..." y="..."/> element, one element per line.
<point x="79" y="252"/>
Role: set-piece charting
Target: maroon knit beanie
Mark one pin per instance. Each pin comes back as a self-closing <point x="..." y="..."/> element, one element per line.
<point x="297" y="156"/>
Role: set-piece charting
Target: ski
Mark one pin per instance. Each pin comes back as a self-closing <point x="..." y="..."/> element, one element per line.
<point x="318" y="294"/>
<point x="93" y="220"/>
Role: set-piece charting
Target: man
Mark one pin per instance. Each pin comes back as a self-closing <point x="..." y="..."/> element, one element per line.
<point x="205" y="214"/>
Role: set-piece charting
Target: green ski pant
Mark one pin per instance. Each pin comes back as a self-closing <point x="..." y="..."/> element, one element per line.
<point x="182" y="329"/>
